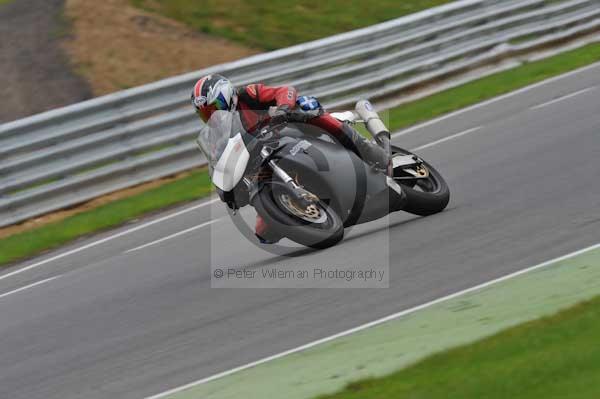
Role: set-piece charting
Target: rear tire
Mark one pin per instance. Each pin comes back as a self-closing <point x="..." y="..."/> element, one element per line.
<point x="322" y="235"/>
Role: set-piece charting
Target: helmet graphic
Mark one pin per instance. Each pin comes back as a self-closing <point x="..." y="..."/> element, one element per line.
<point x="213" y="93"/>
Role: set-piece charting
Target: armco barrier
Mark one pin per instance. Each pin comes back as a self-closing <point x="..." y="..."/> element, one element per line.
<point x="66" y="156"/>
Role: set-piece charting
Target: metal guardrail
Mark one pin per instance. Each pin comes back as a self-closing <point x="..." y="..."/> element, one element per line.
<point x="67" y="156"/>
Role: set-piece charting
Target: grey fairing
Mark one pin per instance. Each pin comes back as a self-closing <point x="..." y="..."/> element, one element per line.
<point x="339" y="177"/>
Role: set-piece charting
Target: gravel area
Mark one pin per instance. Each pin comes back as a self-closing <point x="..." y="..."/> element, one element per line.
<point x="35" y="75"/>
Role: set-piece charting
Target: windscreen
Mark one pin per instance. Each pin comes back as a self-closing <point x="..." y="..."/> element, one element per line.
<point x="215" y="134"/>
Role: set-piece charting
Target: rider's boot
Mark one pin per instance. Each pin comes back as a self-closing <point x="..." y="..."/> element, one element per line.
<point x="265" y="234"/>
<point x="369" y="152"/>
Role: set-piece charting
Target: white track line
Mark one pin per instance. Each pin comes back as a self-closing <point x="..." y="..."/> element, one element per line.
<point x="374" y="323"/>
<point x="102" y="241"/>
<point x="566" y="97"/>
<point x="28" y="286"/>
<point x="172" y="236"/>
<point x="496" y="99"/>
<point x="451" y="137"/>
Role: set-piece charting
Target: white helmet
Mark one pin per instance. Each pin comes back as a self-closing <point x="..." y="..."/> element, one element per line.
<point x="213" y="93"/>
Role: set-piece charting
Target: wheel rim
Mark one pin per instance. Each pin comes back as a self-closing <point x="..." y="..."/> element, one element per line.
<point x="313" y="213"/>
<point x="428" y="184"/>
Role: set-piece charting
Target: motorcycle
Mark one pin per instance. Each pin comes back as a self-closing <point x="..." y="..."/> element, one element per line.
<point x="309" y="188"/>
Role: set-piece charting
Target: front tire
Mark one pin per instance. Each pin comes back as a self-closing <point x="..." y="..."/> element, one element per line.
<point x="319" y="227"/>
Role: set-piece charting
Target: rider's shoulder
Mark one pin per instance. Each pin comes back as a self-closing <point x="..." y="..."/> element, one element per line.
<point x="251" y="90"/>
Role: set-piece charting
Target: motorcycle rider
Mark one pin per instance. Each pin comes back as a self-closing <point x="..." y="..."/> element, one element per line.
<point x="257" y="104"/>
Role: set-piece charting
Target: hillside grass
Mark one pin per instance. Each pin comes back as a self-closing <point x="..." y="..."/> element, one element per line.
<point x="554" y="357"/>
<point x="197" y="185"/>
<point x="277" y="23"/>
<point x="139" y="47"/>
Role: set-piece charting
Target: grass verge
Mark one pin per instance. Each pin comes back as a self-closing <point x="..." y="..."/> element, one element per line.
<point x="197" y="185"/>
<point x="491" y="86"/>
<point x="553" y="357"/>
<point x="279" y="23"/>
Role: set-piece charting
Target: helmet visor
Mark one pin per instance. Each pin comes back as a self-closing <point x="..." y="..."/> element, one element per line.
<point x="221" y="103"/>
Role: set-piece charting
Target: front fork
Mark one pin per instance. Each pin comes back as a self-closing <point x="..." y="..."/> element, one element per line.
<point x="303" y="197"/>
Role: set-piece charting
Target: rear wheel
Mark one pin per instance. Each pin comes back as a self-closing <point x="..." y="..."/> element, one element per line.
<point x="426" y="193"/>
<point x="316" y="225"/>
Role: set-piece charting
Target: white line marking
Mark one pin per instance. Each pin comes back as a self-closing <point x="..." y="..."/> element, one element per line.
<point x="375" y="322"/>
<point x="102" y="241"/>
<point x="172" y="236"/>
<point x="28" y="286"/>
<point x="451" y="137"/>
<point x="562" y="98"/>
<point x="496" y="99"/>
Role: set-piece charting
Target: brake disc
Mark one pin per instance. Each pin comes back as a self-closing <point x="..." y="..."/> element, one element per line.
<point x="313" y="213"/>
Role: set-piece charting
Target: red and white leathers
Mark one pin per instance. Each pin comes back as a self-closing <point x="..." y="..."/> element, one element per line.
<point x="255" y="100"/>
<point x="253" y="105"/>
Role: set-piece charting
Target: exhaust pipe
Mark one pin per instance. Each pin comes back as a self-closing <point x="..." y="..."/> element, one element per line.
<point x="375" y="126"/>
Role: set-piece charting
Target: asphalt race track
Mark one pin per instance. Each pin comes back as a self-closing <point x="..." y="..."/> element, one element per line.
<point x="116" y="324"/>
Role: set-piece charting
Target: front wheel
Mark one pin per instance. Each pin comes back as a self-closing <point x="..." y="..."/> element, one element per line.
<point x="427" y="193"/>
<point x="316" y="226"/>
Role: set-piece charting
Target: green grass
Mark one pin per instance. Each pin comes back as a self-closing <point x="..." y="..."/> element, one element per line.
<point x="2" y="2"/>
<point x="197" y="185"/>
<point x="277" y="23"/>
<point x="491" y="86"/>
<point x="554" y="357"/>
<point x="21" y="245"/>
